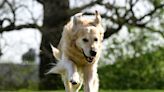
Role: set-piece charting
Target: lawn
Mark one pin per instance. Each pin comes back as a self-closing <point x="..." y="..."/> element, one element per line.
<point x="148" y="90"/>
<point x="132" y="90"/>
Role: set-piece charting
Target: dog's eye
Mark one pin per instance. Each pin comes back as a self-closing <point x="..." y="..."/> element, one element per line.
<point x="85" y="40"/>
<point x="95" y="39"/>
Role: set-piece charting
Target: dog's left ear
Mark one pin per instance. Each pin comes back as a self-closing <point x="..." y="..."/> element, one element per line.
<point x="97" y="17"/>
<point x="77" y="18"/>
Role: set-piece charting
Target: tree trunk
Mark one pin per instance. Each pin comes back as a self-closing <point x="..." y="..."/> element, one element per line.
<point x="55" y="16"/>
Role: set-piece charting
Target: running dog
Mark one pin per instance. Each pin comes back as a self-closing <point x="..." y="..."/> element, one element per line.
<point x="78" y="53"/>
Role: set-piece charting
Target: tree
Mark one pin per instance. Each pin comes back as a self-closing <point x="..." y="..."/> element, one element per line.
<point x="57" y="13"/>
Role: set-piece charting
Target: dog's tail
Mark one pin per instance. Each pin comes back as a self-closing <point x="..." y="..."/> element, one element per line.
<point x="56" y="52"/>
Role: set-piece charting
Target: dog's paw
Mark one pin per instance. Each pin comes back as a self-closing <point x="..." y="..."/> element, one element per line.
<point x="75" y="79"/>
<point x="73" y="82"/>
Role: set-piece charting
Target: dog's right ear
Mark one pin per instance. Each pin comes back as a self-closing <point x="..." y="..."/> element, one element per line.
<point x="56" y="52"/>
<point x="77" y="18"/>
<point x="97" y="17"/>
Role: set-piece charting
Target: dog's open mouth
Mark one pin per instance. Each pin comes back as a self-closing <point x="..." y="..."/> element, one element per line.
<point x="89" y="59"/>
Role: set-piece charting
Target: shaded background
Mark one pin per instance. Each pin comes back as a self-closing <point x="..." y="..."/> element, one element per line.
<point x="133" y="47"/>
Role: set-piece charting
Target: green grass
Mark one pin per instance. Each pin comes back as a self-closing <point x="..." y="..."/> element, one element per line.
<point x="124" y="91"/>
<point x="147" y="90"/>
<point x="132" y="90"/>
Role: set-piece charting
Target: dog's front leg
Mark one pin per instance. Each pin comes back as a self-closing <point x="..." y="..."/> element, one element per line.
<point x="91" y="82"/>
<point x="71" y="77"/>
<point x="72" y="72"/>
<point x="67" y="84"/>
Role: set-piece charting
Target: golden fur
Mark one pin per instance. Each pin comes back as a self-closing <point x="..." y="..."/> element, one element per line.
<point x="78" y="53"/>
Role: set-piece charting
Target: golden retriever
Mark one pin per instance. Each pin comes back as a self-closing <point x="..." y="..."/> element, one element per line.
<point x="78" y="53"/>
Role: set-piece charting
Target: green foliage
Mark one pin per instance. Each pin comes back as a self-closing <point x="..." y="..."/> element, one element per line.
<point x="143" y="72"/>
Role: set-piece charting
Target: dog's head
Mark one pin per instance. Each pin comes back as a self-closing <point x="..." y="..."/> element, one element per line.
<point x="88" y="35"/>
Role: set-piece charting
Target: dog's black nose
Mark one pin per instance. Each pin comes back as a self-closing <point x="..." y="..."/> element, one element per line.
<point x="93" y="53"/>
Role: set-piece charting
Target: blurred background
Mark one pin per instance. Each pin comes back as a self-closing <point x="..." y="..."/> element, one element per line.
<point x="133" y="46"/>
